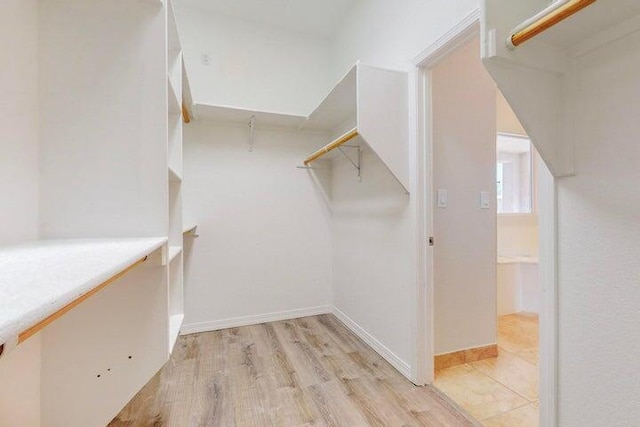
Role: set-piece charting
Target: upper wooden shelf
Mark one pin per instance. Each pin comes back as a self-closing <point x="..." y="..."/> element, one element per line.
<point x="42" y="280"/>
<point x="370" y="99"/>
<point x="338" y="107"/>
<point x="190" y="229"/>
<point x="371" y="103"/>
<point x="555" y="13"/>
<point x="175" y="106"/>
<point x="538" y="78"/>
<point x="174" y="176"/>
<point x="174" y="251"/>
<point x="243" y="116"/>
<point x="590" y="23"/>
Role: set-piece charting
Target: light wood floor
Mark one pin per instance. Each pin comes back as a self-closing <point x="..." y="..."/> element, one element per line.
<point x="501" y="391"/>
<point x="310" y="371"/>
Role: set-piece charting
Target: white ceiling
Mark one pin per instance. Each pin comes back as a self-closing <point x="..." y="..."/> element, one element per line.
<point x="316" y="17"/>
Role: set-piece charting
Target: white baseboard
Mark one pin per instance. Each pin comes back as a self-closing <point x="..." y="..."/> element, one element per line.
<point x="235" y="322"/>
<point x="373" y="342"/>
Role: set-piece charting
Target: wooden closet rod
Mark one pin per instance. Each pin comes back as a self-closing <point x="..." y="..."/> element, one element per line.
<point x="331" y="146"/>
<point x="185" y="115"/>
<point x="552" y="15"/>
<point x="25" y="335"/>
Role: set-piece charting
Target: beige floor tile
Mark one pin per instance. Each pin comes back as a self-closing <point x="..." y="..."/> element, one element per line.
<point x="530" y="355"/>
<point x="527" y="416"/>
<point x="518" y="332"/>
<point x="480" y="395"/>
<point x="513" y="372"/>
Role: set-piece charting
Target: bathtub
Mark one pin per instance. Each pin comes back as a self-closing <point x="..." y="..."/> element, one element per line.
<point x="518" y="284"/>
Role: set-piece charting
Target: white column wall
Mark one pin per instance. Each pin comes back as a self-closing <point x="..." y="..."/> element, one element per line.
<point x="598" y="241"/>
<point x="19" y="370"/>
<point x="19" y="121"/>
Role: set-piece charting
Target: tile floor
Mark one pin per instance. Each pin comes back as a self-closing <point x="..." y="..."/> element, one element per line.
<point x="501" y="391"/>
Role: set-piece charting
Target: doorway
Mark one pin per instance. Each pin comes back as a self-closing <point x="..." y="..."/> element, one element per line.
<point x="464" y="334"/>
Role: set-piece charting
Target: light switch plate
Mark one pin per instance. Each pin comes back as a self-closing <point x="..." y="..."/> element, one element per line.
<point x="442" y="199"/>
<point x="485" y="200"/>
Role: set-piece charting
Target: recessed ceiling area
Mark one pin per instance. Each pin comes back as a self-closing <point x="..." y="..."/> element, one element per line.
<point x="320" y="18"/>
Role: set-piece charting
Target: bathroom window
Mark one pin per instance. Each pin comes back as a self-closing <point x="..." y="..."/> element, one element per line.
<point x="513" y="174"/>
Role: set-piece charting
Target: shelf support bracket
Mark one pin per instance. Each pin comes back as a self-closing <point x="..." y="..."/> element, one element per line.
<point x="356" y="164"/>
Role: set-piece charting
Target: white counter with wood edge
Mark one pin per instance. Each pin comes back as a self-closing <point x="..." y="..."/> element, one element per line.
<point x="42" y="280"/>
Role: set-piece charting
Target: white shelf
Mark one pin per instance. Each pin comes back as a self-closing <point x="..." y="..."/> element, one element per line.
<point x="175" y="323"/>
<point x="174" y="251"/>
<point x="187" y="99"/>
<point x="172" y="29"/>
<point x="589" y="22"/>
<point x="174" y="166"/>
<point x="174" y="77"/>
<point x="371" y="101"/>
<point x="263" y="119"/>
<point x="41" y="278"/>
<point x="174" y="176"/>
<point x="174" y="102"/>
<point x="189" y="229"/>
<point x="338" y="107"/>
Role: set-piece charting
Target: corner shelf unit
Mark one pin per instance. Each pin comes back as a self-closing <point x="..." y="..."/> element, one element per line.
<point x="228" y="114"/>
<point x="538" y="77"/>
<point x="174" y="251"/>
<point x="369" y="104"/>
<point x="371" y="101"/>
<point x="175" y="95"/>
<point x="103" y="311"/>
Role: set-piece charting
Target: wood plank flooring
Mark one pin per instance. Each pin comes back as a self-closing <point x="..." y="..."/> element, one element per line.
<point x="310" y="371"/>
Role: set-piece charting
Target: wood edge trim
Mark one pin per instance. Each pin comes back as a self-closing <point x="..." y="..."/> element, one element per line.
<point x="549" y="21"/>
<point x="332" y="145"/>
<point x="456" y="358"/>
<point x="28" y="333"/>
<point x="186" y="117"/>
<point x="191" y="231"/>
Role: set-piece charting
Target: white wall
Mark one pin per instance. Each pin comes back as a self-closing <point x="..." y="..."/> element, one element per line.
<point x="19" y="121"/>
<point x="264" y="68"/>
<point x="517" y="234"/>
<point x="372" y="254"/>
<point x="253" y="66"/>
<point x="265" y="242"/>
<point x="464" y="159"/>
<point x="507" y="120"/>
<point x="19" y="370"/>
<point x="391" y="34"/>
<point x="599" y="229"/>
<point x="103" y="120"/>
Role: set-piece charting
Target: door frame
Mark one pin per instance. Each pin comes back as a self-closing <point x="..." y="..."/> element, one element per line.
<point x="421" y="122"/>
